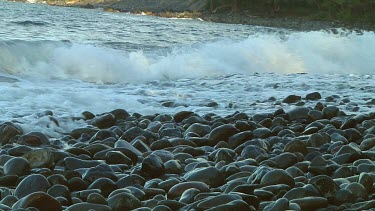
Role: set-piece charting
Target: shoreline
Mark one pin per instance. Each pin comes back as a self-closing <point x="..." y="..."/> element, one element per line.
<point x="245" y="18"/>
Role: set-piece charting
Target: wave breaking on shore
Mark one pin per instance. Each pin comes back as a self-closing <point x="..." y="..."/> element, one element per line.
<point x="300" y="52"/>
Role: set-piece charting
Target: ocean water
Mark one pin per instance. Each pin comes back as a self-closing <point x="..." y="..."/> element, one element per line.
<point x="70" y="60"/>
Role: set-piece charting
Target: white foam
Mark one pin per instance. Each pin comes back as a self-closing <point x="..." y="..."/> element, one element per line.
<point x="310" y="52"/>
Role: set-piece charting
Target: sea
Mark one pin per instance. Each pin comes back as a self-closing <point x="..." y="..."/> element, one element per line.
<point x="70" y="60"/>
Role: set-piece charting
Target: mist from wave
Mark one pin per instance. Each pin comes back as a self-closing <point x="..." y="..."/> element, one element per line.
<point x="300" y="52"/>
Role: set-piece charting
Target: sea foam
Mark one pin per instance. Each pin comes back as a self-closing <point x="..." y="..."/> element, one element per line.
<point x="299" y="52"/>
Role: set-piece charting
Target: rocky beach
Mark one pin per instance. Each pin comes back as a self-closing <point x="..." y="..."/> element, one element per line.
<point x="115" y="111"/>
<point x="308" y="158"/>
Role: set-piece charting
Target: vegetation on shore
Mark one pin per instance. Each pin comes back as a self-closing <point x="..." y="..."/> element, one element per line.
<point x="344" y="10"/>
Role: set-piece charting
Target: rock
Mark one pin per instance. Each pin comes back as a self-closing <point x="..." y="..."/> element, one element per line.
<point x="9" y="200"/>
<point x="115" y="157"/>
<point x="96" y="198"/>
<point x="326" y="186"/>
<point x="252" y="151"/>
<point x="8" y="180"/>
<point x="262" y="133"/>
<point x="120" y="114"/>
<point x="316" y="140"/>
<point x="103" y="121"/>
<point x="100" y="171"/>
<point x="17" y="166"/>
<point x="39" y="200"/>
<point x="31" y="184"/>
<point x="330" y="112"/>
<point x="343" y="196"/>
<point x="292" y="99"/>
<point x="8" y="130"/>
<point x="217" y="200"/>
<point x="358" y="190"/>
<point x="298" y="113"/>
<point x="72" y="163"/>
<point x="88" y="206"/>
<point x="315" y="115"/>
<point x="152" y="166"/>
<point x="178" y="117"/>
<point x="280" y="204"/>
<point x="239" y="138"/>
<point x="367" y="144"/>
<point x="222" y="133"/>
<point x="123" y="201"/>
<point x="59" y="190"/>
<point x="296" y="146"/>
<point x="40" y="158"/>
<point x="311" y="203"/>
<point x="173" y="167"/>
<point x="300" y="192"/>
<point x="285" y="160"/>
<point x="199" y="129"/>
<point x="189" y="195"/>
<point x="209" y="175"/>
<point x="105" y="185"/>
<point x="276" y="177"/>
<point x="313" y="96"/>
<point x="178" y="189"/>
<point x="233" y="205"/>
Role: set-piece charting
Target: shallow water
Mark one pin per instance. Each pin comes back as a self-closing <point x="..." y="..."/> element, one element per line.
<point x="69" y="60"/>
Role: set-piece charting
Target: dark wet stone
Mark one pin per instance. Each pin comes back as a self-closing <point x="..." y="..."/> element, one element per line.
<point x="130" y="180"/>
<point x="234" y="205"/>
<point x="115" y="157"/>
<point x="285" y="160"/>
<point x="199" y="129"/>
<point x="178" y="117"/>
<point x="172" y="204"/>
<point x="102" y="170"/>
<point x="19" y="150"/>
<point x="161" y="208"/>
<point x="40" y="158"/>
<point x="120" y="114"/>
<point x="128" y="153"/>
<point x="76" y="184"/>
<point x="366" y="205"/>
<point x="277" y="176"/>
<point x="209" y="175"/>
<point x="367" y="144"/>
<point x="366" y="180"/>
<point x="358" y="190"/>
<point x="173" y="167"/>
<point x="59" y="190"/>
<point x="343" y="196"/>
<point x="123" y="201"/>
<point x="77" y="133"/>
<point x="105" y="185"/>
<point x="31" y="184"/>
<point x="313" y="96"/>
<point x="296" y="146"/>
<point x="8" y="180"/>
<point x="316" y="140"/>
<point x="178" y="189"/>
<point x="8" y="131"/>
<point x="280" y="204"/>
<point x="315" y="115"/>
<point x="9" y="200"/>
<point x="141" y="146"/>
<point x="326" y="186"/>
<point x="189" y="195"/>
<point x="252" y="151"/>
<point x="39" y="200"/>
<point x="96" y="198"/>
<point x="262" y="133"/>
<point x="298" y="113"/>
<point x="72" y="163"/>
<point x="222" y="133"/>
<point x="88" y="206"/>
<point x="17" y="166"/>
<point x="217" y="200"/>
<point x="239" y="138"/>
<point x="311" y="203"/>
<point x="103" y="121"/>
<point x="152" y="166"/>
<point x="292" y="99"/>
<point x="330" y="112"/>
<point x="300" y="192"/>
<point x="132" y="133"/>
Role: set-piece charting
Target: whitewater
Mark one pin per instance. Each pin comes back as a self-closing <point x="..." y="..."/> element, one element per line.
<point x="70" y="60"/>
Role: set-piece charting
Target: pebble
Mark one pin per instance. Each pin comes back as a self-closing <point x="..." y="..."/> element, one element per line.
<point x="31" y="184"/>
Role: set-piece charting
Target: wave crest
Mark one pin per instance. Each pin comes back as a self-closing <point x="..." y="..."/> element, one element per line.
<point x="300" y="52"/>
